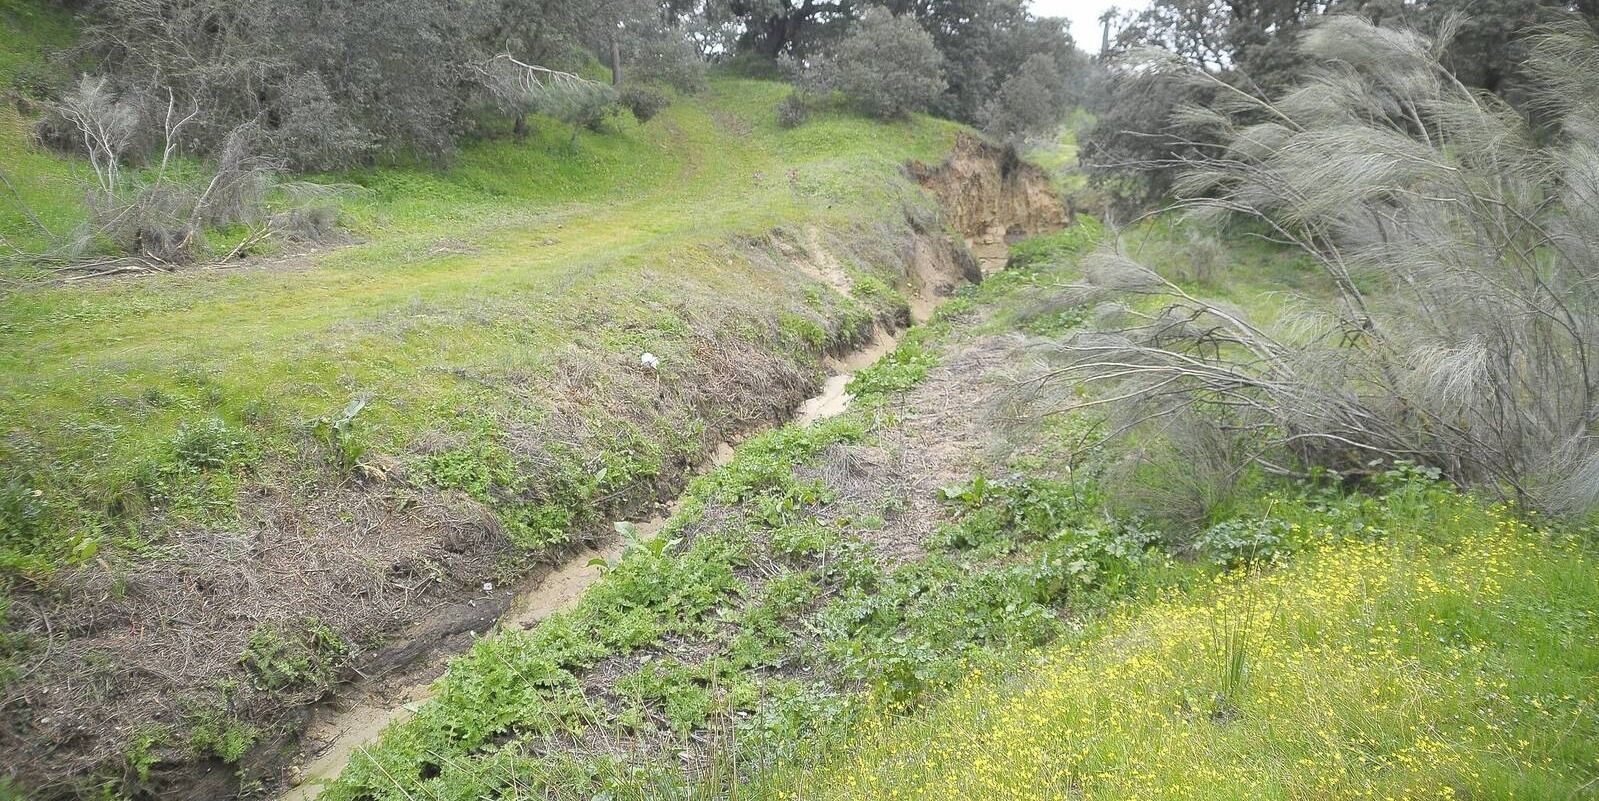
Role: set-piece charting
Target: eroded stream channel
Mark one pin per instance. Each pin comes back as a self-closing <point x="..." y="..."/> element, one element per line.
<point x="343" y="727"/>
<point x="984" y="195"/>
<point x="161" y="673"/>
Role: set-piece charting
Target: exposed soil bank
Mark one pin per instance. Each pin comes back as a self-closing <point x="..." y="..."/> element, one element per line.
<point x="991" y="197"/>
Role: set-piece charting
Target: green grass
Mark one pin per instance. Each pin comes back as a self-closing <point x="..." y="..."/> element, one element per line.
<point x="500" y="270"/>
<point x="1451" y="657"/>
<point x="32" y="29"/>
<point x="1059" y="155"/>
<point x="49" y="186"/>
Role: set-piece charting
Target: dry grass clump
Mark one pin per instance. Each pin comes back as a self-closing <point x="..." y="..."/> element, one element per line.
<point x="151" y="206"/>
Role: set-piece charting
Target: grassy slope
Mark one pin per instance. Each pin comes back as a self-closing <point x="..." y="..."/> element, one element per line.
<point x="1452" y="657"/>
<point x="518" y="252"/>
<point x="1409" y="643"/>
<point x="29" y="31"/>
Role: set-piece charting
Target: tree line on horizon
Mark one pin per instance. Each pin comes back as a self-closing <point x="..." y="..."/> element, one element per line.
<point x="328" y="85"/>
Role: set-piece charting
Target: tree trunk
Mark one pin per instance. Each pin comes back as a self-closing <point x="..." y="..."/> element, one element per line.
<point x="616" y="61"/>
<point x="779" y="29"/>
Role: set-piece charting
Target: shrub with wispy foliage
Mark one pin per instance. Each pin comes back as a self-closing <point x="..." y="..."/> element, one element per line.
<point x="1463" y="246"/>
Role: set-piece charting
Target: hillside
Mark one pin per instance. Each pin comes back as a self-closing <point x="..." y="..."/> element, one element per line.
<point x="651" y="430"/>
<point x="907" y="601"/>
<point x="271" y="466"/>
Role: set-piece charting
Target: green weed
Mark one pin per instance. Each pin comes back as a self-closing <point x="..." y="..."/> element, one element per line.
<point x="337" y="435"/>
<point x="284" y="656"/>
<point x="144" y="753"/>
<point x="648" y="595"/>
<point x="900" y="370"/>
<point x="685" y="694"/>
<point x="207" y="444"/>
<point x="215" y="733"/>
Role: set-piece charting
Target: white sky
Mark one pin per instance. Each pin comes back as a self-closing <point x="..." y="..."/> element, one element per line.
<point x="1084" y="15"/>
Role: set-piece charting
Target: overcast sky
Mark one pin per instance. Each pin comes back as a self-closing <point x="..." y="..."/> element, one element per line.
<point x="1084" y="15"/>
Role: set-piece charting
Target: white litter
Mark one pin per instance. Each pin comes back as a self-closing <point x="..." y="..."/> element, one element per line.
<point x="649" y="360"/>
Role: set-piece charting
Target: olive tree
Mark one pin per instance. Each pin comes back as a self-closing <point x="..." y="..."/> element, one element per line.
<point x="887" y="66"/>
<point x="1032" y="102"/>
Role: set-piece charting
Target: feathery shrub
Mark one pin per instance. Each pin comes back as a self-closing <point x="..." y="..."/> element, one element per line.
<point x="1463" y="246"/>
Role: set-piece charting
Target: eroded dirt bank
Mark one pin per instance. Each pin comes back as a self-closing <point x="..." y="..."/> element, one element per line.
<point x="192" y="670"/>
<point x="991" y="197"/>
